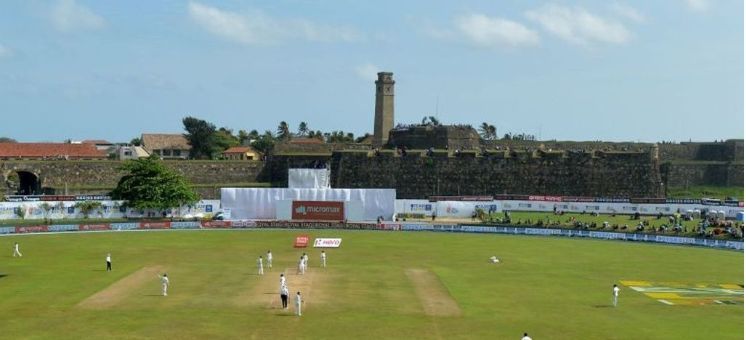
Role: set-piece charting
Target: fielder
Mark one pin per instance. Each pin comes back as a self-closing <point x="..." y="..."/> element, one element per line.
<point x="323" y="259"/>
<point x="16" y="252"/>
<point x="260" y="266"/>
<point x="526" y="337"/>
<point x="615" y="294"/>
<point x="305" y="260"/>
<point x="269" y="259"/>
<point x="494" y="259"/>
<point x="165" y="283"/>
<point x="282" y="280"/>
<point x="108" y="262"/>
<point x="301" y="266"/>
<point x="298" y="302"/>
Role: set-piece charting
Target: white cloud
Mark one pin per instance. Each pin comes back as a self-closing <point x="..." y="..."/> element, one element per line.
<point x="5" y="51"/>
<point x="578" y="26"/>
<point x="698" y="5"/>
<point x="627" y="12"/>
<point x="256" y="27"/>
<point x="487" y="31"/>
<point x="69" y="16"/>
<point x="368" y="71"/>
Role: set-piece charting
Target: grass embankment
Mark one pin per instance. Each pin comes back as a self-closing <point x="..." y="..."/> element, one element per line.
<point x="706" y="192"/>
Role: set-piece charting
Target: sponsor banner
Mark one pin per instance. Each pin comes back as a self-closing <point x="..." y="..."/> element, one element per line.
<point x="315" y="225"/>
<point x="31" y="229"/>
<point x="327" y="242"/>
<point x="216" y="224"/>
<point x="94" y="227"/>
<point x="416" y="227"/>
<point x="155" y="225"/>
<point x="49" y="198"/>
<point x="545" y="198"/>
<point x="124" y="226"/>
<point x="185" y="225"/>
<point x="460" y="198"/>
<point x="577" y="199"/>
<point x="318" y="210"/>
<point x="63" y="227"/>
<point x="734" y="245"/>
<point x="7" y="230"/>
<point x="301" y="241"/>
<point x="389" y="226"/>
<point x="243" y="224"/>
<point x="421" y="207"/>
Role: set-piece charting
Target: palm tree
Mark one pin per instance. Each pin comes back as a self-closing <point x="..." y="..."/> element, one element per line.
<point x="283" y="131"/>
<point x="493" y="132"/>
<point x="303" y="129"/>
<point x="434" y="120"/>
<point x="484" y="131"/>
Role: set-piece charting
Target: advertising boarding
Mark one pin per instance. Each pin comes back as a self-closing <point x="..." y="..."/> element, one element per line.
<point x="318" y="210"/>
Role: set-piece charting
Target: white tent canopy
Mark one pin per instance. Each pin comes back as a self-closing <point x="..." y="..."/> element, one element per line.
<point x="309" y="178"/>
<point x="261" y="203"/>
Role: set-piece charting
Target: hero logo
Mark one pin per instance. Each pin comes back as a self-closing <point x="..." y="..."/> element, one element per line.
<point x="327" y="242"/>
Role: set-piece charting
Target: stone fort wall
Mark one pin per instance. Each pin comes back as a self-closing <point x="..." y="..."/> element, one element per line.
<point x="416" y="175"/>
<point x="611" y="174"/>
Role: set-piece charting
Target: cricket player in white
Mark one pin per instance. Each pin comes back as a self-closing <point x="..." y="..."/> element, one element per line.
<point x="323" y="259"/>
<point x="526" y="337"/>
<point x="615" y="294"/>
<point x="269" y="259"/>
<point x="301" y="266"/>
<point x="260" y="266"/>
<point x="108" y="262"/>
<point x="283" y="282"/>
<point x="298" y="302"/>
<point x="305" y="260"/>
<point x="16" y="252"/>
<point x="164" y="283"/>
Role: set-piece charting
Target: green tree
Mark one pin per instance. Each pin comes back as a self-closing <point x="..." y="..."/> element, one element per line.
<point x="224" y="139"/>
<point x="243" y="137"/>
<point x="283" y="131"/>
<point x="303" y="129"/>
<point x="7" y="140"/>
<point x="87" y="207"/>
<point x="136" y="141"/>
<point x="487" y="131"/>
<point x="148" y="184"/>
<point x="201" y="136"/>
<point x="264" y="143"/>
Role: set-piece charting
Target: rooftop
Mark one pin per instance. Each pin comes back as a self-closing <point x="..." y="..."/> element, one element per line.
<point x="49" y="150"/>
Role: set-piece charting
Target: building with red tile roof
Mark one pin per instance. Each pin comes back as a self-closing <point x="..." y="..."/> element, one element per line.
<point x="242" y="153"/>
<point x="50" y="151"/>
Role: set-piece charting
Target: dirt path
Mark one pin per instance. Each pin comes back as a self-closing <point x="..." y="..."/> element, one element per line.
<point x="117" y="291"/>
<point x="434" y="297"/>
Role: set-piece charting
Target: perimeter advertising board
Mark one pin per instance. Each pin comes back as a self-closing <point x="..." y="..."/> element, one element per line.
<point x="318" y="210"/>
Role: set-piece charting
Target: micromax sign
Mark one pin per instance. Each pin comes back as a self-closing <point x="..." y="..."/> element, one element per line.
<point x="318" y="210"/>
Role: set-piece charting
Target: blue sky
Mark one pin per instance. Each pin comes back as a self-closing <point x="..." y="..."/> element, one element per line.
<point x="566" y="70"/>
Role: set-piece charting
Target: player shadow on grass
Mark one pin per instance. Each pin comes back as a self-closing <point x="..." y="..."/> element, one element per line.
<point x="3" y="275"/>
<point x="152" y="295"/>
<point x="603" y="306"/>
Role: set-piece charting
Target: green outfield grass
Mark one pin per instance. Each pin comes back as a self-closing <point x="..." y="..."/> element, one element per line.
<point x="552" y="288"/>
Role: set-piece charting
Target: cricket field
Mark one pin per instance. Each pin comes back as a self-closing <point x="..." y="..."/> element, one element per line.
<point x="378" y="285"/>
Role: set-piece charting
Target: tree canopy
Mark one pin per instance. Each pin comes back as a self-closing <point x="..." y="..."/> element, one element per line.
<point x="148" y="184"/>
<point x="201" y="136"/>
